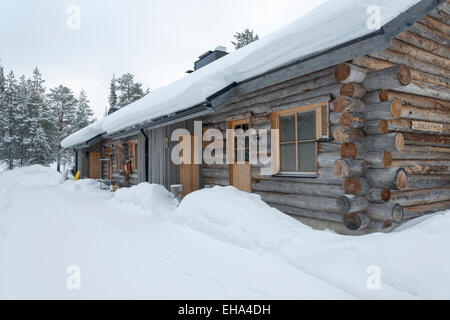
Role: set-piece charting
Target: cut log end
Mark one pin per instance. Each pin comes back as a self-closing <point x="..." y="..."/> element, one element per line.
<point x="384" y="126"/>
<point x="404" y="75"/>
<point x="387" y="159"/>
<point x="386" y="195"/>
<point x="396" y="109"/>
<point x="402" y="180"/>
<point x="340" y="169"/>
<point x="340" y="103"/>
<point x="348" y="89"/>
<point x="349" y="150"/>
<point x="384" y="95"/>
<point x="399" y="142"/>
<point x="398" y="214"/>
<point x="356" y="221"/>
<point x="341" y="72"/>
<point x="352" y="186"/>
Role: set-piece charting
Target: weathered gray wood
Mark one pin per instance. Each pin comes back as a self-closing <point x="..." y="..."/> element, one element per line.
<point x="411" y="212"/>
<point x="388" y="178"/>
<point x="393" y="77"/>
<point x="299" y="201"/>
<point x="356" y="221"/>
<point x="344" y="103"/>
<point x="345" y="168"/>
<point x="347" y="73"/>
<point x="345" y="134"/>
<point x="309" y="213"/>
<point x="353" y="90"/>
<point x="385" y="211"/>
<point x="297" y="187"/>
<point x="416" y="197"/>
<point x="327" y="159"/>
<point x="374" y="127"/>
<point x="356" y="186"/>
<point x="378" y="195"/>
<point x="427" y="182"/>
<point x="350" y="204"/>
<point x="384" y="110"/>
<point x="389" y="142"/>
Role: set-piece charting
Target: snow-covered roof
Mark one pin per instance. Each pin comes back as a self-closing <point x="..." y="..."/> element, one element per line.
<point x="331" y="24"/>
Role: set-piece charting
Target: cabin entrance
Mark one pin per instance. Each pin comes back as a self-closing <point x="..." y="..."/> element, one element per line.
<point x="189" y="170"/>
<point x="240" y="169"/>
<point x="94" y="165"/>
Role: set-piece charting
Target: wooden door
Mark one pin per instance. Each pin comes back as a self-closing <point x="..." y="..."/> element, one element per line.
<point x="240" y="170"/>
<point x="94" y="165"/>
<point x="189" y="171"/>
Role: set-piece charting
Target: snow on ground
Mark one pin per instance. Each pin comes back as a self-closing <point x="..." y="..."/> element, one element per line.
<point x="219" y="243"/>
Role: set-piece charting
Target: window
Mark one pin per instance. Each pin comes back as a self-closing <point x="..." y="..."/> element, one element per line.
<point x="299" y="130"/>
<point x="133" y="155"/>
<point x="241" y="142"/>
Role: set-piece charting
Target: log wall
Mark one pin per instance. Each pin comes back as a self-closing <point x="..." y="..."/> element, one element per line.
<point x="388" y="157"/>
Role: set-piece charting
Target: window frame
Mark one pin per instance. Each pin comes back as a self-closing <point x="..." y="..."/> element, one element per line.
<point x="319" y="129"/>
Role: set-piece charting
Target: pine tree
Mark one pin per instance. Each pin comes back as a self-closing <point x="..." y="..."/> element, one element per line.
<point x="83" y="112"/>
<point x="41" y="125"/>
<point x="129" y="90"/>
<point x="63" y="106"/>
<point x="10" y="141"/>
<point x="23" y="120"/>
<point x="244" y="38"/>
<point x="2" y="112"/>
<point x="112" y="99"/>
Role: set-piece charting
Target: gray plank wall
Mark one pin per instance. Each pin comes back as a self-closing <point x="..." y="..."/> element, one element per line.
<point x="161" y="168"/>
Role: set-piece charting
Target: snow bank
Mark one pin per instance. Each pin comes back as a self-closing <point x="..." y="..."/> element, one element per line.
<point x="237" y="217"/>
<point x="413" y="262"/>
<point x="154" y="199"/>
<point x="329" y="25"/>
<point x="30" y="176"/>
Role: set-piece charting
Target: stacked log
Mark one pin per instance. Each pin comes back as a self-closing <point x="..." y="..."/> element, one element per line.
<point x="366" y="162"/>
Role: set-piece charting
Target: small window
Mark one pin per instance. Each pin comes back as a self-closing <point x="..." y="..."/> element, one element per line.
<point x="299" y="130"/>
<point x="298" y="146"/>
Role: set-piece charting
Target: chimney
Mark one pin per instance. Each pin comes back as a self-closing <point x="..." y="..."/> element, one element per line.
<point x="210" y="56"/>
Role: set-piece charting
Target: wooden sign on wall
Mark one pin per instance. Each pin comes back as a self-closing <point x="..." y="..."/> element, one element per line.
<point x="427" y="126"/>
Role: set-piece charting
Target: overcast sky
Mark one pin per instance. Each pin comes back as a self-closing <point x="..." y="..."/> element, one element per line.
<point x="156" y="40"/>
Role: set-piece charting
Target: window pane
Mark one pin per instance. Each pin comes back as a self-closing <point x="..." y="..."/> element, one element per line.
<point x="288" y="159"/>
<point x="307" y="126"/>
<point x="307" y="156"/>
<point x="287" y="128"/>
<point x="245" y="127"/>
<point x="240" y="155"/>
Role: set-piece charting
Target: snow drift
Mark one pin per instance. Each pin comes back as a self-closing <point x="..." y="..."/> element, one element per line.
<point x="218" y="243"/>
<point x="152" y="198"/>
<point x="30" y="176"/>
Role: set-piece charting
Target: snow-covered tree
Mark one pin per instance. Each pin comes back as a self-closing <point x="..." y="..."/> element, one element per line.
<point x="42" y="127"/>
<point x="244" y="38"/>
<point x="112" y="98"/>
<point x="2" y="111"/>
<point x="63" y="105"/>
<point x="130" y="91"/>
<point x="83" y="113"/>
<point x="10" y="138"/>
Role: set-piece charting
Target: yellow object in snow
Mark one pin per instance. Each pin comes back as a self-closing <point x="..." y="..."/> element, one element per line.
<point x="77" y="176"/>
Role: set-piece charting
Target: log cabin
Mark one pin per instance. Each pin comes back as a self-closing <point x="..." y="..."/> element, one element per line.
<point x="361" y="118"/>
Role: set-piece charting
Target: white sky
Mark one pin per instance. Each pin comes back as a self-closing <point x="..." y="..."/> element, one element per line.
<point x="155" y="40"/>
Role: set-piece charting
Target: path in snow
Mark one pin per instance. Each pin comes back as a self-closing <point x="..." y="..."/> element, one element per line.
<point x="125" y="254"/>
